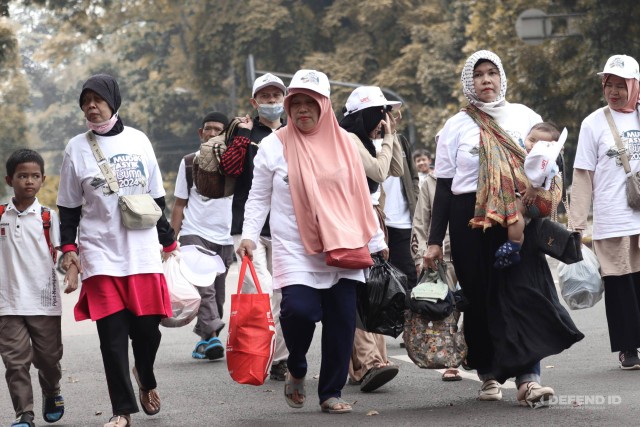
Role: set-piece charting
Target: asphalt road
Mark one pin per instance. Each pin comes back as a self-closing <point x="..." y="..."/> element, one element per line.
<point x="591" y="389"/>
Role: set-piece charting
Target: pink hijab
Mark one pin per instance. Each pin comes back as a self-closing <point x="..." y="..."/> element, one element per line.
<point x="633" y="91"/>
<point x="327" y="182"/>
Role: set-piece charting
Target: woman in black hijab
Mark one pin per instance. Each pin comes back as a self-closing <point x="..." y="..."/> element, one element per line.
<point x="123" y="290"/>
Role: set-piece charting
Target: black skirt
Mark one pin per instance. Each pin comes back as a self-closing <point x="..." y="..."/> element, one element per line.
<point x="515" y="318"/>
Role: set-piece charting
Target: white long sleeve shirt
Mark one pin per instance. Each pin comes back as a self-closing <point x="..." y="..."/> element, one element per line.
<point x="270" y="193"/>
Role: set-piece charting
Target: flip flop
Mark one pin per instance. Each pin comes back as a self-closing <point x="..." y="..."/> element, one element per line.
<point x="330" y="404"/>
<point x="451" y="374"/>
<point x="24" y="420"/>
<point x="377" y="377"/>
<point x="146" y="396"/>
<point x="290" y="387"/>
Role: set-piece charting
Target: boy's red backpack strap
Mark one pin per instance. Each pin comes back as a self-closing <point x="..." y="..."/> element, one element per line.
<point x="2" y="209"/>
<point x="46" y="224"/>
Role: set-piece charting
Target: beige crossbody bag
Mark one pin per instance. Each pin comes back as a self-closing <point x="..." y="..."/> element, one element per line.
<point x="138" y="211"/>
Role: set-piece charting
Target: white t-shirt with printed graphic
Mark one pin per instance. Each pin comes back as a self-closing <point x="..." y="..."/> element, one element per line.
<point x="458" y="149"/>
<point x="597" y="152"/>
<point x="204" y="217"/>
<point x="105" y="246"/>
<point x="28" y="280"/>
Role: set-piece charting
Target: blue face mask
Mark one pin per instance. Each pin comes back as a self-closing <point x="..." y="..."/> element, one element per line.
<point x="271" y="112"/>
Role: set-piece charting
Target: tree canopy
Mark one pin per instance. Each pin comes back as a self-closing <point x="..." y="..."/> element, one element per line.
<point x="176" y="60"/>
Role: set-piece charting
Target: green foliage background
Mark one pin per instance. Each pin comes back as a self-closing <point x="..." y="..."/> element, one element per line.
<point x="175" y="60"/>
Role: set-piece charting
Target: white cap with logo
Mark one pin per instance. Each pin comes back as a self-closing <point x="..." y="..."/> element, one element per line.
<point x="316" y="81"/>
<point x="268" y="80"/>
<point x="623" y="66"/>
<point x="368" y="96"/>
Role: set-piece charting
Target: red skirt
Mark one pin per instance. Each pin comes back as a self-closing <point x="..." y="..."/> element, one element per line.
<point x="141" y="294"/>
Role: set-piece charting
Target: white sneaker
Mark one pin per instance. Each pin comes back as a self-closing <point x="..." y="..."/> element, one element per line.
<point x="536" y="395"/>
<point x="490" y="391"/>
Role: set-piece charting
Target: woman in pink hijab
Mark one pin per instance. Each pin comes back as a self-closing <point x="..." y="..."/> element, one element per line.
<point x="309" y="177"/>
<point x="599" y="177"/>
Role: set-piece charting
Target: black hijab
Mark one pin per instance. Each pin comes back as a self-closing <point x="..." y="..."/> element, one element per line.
<point x="361" y="123"/>
<point x="107" y="87"/>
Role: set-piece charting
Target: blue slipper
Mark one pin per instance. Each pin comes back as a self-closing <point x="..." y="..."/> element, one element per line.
<point x="214" y="349"/>
<point x="507" y="249"/>
<point x="198" y="352"/>
<point x="52" y="408"/>
<point x="24" y="420"/>
<point x="507" y="261"/>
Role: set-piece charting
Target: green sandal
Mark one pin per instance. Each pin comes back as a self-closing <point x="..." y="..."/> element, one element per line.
<point x="330" y="404"/>
<point x="290" y="387"/>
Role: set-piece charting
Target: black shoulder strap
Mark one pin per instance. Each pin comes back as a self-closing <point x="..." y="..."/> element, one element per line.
<point x="188" y="170"/>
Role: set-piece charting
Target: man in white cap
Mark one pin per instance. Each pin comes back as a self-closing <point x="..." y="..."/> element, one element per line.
<point x="268" y="100"/>
<point x="205" y="222"/>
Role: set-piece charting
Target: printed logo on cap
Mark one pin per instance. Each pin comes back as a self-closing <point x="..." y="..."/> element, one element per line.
<point x="311" y="77"/>
<point x="616" y="62"/>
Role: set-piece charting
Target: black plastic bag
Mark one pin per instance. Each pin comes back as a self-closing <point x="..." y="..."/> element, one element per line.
<point x="440" y="309"/>
<point x="381" y="300"/>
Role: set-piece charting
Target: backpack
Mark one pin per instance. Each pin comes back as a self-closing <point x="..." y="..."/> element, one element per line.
<point x="46" y="225"/>
<point x="206" y="172"/>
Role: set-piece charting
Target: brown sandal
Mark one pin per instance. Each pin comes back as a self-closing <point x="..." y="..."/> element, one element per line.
<point x="149" y="399"/>
<point x="451" y="374"/>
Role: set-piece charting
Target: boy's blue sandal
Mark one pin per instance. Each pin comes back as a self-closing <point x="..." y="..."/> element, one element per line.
<point x="214" y="349"/>
<point x="198" y="352"/>
<point x="52" y="408"/>
<point x="24" y="420"/>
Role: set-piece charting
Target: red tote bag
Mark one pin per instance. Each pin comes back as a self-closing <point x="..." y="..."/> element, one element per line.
<point x="252" y="333"/>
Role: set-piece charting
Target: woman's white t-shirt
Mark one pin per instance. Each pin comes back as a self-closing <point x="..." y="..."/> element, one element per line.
<point x="105" y="246"/>
<point x="458" y="149"/>
<point x="204" y="217"/>
<point x="597" y="152"/>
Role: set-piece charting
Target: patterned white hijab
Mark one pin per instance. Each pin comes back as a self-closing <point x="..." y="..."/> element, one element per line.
<point x="494" y="109"/>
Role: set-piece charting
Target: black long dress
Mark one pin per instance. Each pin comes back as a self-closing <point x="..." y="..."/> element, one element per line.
<point x="515" y="318"/>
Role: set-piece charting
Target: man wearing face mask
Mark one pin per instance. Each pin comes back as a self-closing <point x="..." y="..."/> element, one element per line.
<point x="268" y="100"/>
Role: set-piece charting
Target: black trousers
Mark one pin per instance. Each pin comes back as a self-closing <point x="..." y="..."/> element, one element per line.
<point x="301" y="308"/>
<point x="400" y="253"/>
<point x="622" y="303"/>
<point x="114" y="332"/>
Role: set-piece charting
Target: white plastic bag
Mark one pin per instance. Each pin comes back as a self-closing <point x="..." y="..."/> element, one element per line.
<point x="185" y="299"/>
<point x="581" y="284"/>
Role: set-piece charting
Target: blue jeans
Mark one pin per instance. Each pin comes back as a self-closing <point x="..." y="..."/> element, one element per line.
<point x="532" y="374"/>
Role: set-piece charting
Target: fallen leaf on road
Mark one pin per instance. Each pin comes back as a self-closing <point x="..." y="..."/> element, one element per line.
<point x="73" y="380"/>
<point x="268" y="391"/>
<point x="98" y="413"/>
<point x="315" y="377"/>
<point x="372" y="412"/>
<point x="549" y="366"/>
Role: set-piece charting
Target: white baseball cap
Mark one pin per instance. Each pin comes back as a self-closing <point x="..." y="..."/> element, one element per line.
<point x="539" y="165"/>
<point x="368" y="96"/>
<point x="316" y="81"/>
<point x="623" y="66"/>
<point x="200" y="266"/>
<point x="268" y="80"/>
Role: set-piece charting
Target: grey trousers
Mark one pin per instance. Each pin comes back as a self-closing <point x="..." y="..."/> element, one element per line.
<point x="210" y="313"/>
<point x="25" y="340"/>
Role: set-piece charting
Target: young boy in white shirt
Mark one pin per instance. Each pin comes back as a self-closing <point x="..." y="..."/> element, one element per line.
<point x="31" y="308"/>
